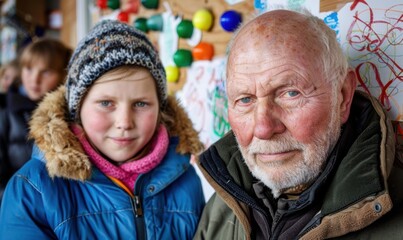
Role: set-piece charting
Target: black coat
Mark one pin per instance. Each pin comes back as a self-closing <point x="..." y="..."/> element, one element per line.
<point x="2" y="100"/>
<point x="15" y="149"/>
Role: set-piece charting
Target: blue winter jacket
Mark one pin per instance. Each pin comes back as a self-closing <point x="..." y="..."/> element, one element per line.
<point x="38" y="207"/>
<point x="59" y="194"/>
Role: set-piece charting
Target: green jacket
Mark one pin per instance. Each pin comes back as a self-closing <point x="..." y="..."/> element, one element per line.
<point x="363" y="197"/>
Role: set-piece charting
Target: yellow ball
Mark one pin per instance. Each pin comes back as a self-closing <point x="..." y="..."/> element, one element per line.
<point x="172" y="73"/>
<point x="202" y="19"/>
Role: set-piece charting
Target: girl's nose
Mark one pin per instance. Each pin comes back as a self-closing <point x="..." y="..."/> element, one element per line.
<point x="124" y="119"/>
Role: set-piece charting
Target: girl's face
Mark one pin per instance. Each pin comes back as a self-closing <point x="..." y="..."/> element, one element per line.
<point x="38" y="79"/>
<point x="120" y="112"/>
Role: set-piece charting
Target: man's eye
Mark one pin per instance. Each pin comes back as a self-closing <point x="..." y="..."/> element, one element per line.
<point x="292" y="93"/>
<point x="245" y="100"/>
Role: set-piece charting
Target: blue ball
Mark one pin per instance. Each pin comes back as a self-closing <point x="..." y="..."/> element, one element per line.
<point x="230" y="20"/>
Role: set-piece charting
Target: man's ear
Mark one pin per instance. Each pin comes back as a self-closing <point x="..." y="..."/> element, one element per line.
<point x="347" y="94"/>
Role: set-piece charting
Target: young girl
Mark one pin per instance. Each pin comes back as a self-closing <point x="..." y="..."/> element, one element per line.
<point x="123" y="171"/>
<point x="43" y="68"/>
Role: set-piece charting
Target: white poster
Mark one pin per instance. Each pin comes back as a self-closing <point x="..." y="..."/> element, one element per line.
<point x="203" y="97"/>
<point x="371" y="33"/>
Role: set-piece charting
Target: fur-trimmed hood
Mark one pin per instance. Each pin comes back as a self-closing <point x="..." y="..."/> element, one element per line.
<point x="63" y="153"/>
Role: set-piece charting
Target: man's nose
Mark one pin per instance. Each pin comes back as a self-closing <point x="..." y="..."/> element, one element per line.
<point x="267" y="121"/>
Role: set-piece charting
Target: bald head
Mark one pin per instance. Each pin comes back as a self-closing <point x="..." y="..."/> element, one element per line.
<point x="275" y="24"/>
<point x="280" y="32"/>
<point x="282" y="27"/>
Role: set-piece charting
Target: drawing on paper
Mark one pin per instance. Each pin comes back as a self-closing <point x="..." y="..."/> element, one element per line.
<point x="372" y="37"/>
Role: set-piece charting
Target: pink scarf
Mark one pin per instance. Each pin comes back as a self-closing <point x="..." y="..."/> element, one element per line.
<point x="128" y="172"/>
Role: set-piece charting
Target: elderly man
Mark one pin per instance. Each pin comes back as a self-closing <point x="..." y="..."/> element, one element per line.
<point x="308" y="157"/>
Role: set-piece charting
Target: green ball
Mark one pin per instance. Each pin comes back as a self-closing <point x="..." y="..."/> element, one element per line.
<point x="141" y="24"/>
<point x="183" y="58"/>
<point x="185" y="29"/>
<point x="155" y="22"/>
<point x="150" y="4"/>
<point x="113" y="4"/>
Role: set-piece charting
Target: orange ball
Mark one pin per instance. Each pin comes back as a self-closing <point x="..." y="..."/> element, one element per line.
<point x="203" y="51"/>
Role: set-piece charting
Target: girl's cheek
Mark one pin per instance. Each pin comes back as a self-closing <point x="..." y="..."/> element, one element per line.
<point x="95" y="121"/>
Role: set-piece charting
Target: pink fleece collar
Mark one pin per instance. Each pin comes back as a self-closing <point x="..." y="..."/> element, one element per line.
<point x="127" y="172"/>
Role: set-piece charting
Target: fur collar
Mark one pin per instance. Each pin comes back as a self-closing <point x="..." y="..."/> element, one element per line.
<point x="64" y="155"/>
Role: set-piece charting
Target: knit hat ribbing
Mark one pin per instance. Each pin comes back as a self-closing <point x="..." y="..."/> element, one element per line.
<point x="110" y="44"/>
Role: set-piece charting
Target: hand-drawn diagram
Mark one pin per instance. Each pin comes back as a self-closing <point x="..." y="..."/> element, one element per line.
<point x="372" y="36"/>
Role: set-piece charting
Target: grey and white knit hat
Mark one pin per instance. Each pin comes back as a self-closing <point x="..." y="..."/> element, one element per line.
<point x="108" y="45"/>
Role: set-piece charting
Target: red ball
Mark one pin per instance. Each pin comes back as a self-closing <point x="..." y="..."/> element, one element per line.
<point x="132" y="6"/>
<point x="123" y="17"/>
<point x="102" y="4"/>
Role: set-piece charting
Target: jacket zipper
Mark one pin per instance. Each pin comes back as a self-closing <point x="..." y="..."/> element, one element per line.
<point x="137" y="206"/>
<point x="138" y="210"/>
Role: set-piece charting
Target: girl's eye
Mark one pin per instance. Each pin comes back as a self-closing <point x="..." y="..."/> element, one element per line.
<point x="105" y="103"/>
<point x="140" y="104"/>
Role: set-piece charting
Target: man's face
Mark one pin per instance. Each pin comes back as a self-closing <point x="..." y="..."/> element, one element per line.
<point x="282" y="111"/>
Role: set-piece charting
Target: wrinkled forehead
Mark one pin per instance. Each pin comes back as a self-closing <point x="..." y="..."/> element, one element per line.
<point x="275" y="44"/>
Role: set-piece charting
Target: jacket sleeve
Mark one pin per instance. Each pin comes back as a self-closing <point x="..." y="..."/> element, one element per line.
<point x="22" y="212"/>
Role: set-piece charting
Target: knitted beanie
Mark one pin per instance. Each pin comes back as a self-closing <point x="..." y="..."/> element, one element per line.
<point x="108" y="45"/>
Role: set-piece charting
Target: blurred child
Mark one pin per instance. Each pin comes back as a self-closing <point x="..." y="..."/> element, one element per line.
<point x="112" y="154"/>
<point x="9" y="72"/>
<point x="43" y="68"/>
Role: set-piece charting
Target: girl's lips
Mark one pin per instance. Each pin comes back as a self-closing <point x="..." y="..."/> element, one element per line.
<point x="123" y="141"/>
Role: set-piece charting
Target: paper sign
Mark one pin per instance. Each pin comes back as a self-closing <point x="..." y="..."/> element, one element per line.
<point x="203" y="97"/>
<point x="371" y="34"/>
